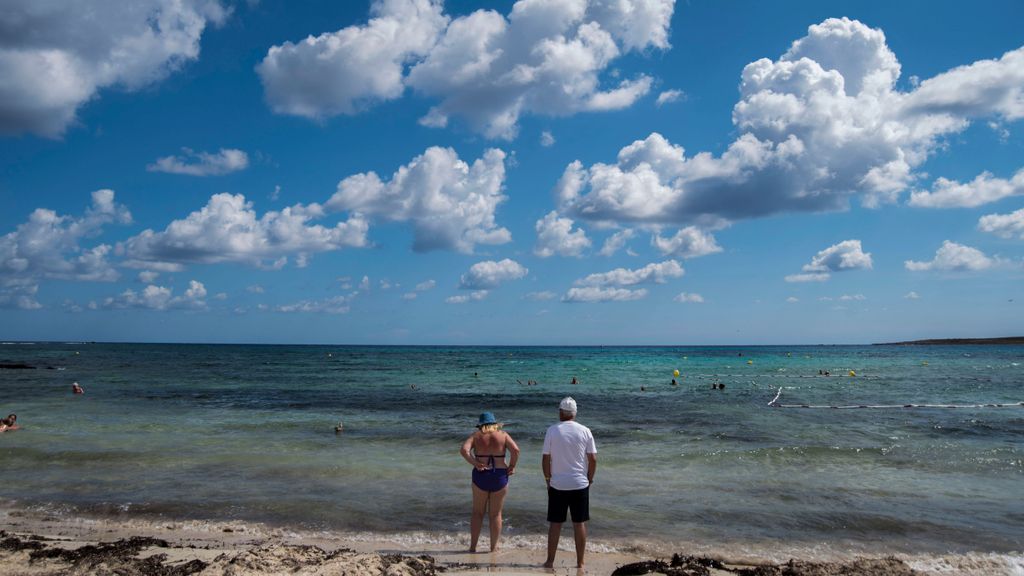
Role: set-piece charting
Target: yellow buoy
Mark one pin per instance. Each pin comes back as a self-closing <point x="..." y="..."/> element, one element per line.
<point x="675" y="373"/>
<point x="852" y="373"/>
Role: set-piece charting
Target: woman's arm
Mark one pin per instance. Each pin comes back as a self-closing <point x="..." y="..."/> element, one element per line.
<point x="514" y="449"/>
<point x="466" y="447"/>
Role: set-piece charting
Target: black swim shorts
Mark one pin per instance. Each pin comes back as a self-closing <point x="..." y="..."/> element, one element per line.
<point x="577" y="502"/>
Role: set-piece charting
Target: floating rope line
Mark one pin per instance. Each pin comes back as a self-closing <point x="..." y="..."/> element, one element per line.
<point x="774" y="404"/>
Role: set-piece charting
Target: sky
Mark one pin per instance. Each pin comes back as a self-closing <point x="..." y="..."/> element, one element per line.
<point x="534" y="172"/>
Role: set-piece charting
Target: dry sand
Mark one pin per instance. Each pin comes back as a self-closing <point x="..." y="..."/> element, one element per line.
<point x="39" y="544"/>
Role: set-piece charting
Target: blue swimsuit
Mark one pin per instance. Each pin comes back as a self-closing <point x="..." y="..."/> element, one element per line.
<point x="493" y="479"/>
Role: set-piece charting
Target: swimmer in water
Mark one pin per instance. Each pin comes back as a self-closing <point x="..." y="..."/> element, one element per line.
<point x="339" y="428"/>
<point x="9" y="424"/>
<point x="573" y="380"/>
<point x="76" y="389"/>
<point x="674" y="383"/>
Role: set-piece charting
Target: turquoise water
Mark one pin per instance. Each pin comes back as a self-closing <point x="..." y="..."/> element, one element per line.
<point x="246" y="433"/>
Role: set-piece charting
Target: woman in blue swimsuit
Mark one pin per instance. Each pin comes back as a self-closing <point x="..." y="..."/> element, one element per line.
<point x="485" y="449"/>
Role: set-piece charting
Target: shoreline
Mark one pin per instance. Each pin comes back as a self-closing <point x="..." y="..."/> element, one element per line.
<point x="246" y="548"/>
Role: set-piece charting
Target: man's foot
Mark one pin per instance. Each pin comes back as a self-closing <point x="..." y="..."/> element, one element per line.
<point x="549" y="564"/>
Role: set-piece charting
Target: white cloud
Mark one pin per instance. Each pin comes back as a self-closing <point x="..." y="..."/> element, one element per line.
<point x="485" y="67"/>
<point x="193" y="163"/>
<point x="425" y="285"/>
<point x="792" y="299"/>
<point x="556" y="236"/>
<point x="598" y="294"/>
<point x="450" y="204"/>
<point x="409" y="296"/>
<point x="47" y="246"/>
<point x="852" y="297"/>
<point x="911" y="295"/>
<point x="955" y="257"/>
<point x="655" y="272"/>
<point x="148" y="276"/>
<point x="160" y="298"/>
<point x="616" y="242"/>
<point x="690" y="298"/>
<point x="816" y="277"/>
<point x="983" y="189"/>
<point x="333" y="305"/>
<point x="254" y="289"/>
<point x="227" y="229"/>
<point x="818" y="126"/>
<point x="364" y="284"/>
<point x="345" y="71"/>
<point x="846" y="255"/>
<point x="541" y="296"/>
<point x="689" y="242"/>
<point x="489" y="274"/>
<point x="1003" y="225"/>
<point x="58" y="55"/>
<point x="547" y="140"/>
<point x="463" y="298"/>
<point x="669" y="96"/>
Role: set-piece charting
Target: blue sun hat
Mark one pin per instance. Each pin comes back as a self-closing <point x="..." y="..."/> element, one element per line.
<point x="486" y="418"/>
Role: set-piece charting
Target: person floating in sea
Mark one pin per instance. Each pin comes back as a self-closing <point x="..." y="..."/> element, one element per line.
<point x="10" y="423"/>
<point x="485" y="449"/>
<point x="412" y="386"/>
<point x="674" y="383"/>
<point x="569" y="462"/>
<point x="573" y="381"/>
<point x="76" y="389"/>
<point x="339" y="428"/>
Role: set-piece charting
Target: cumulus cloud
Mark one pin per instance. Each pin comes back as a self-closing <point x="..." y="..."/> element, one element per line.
<point x="450" y="204"/>
<point x="792" y="299"/>
<point x="484" y="67"/>
<point x="255" y="289"/>
<point x="599" y="294"/>
<point x="1003" y="225"/>
<point x="228" y="229"/>
<point x="616" y="242"/>
<point x="911" y="295"/>
<point x="333" y="305"/>
<point x="489" y="274"/>
<point x="982" y="190"/>
<point x="463" y="298"/>
<point x="653" y="273"/>
<point x="689" y="242"/>
<point x="56" y="56"/>
<point x="148" y="276"/>
<point x="955" y="257"/>
<point x="852" y="297"/>
<point x="193" y="163"/>
<point x="816" y="127"/>
<point x="669" y="96"/>
<point x="154" y="297"/>
<point x="689" y="298"/>
<point x="846" y="255"/>
<point x="556" y="236"/>
<point x="47" y="246"/>
<point x="547" y="140"/>
<point x="426" y="285"/>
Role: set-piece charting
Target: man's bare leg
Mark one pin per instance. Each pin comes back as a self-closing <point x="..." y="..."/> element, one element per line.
<point x="580" y="532"/>
<point x="494" y="513"/>
<point x="554" y="532"/>
<point x="476" y="522"/>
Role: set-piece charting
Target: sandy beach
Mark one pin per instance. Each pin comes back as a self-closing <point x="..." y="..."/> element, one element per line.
<point x="42" y="544"/>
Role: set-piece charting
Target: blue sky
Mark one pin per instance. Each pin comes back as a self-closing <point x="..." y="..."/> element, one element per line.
<point x="555" y="172"/>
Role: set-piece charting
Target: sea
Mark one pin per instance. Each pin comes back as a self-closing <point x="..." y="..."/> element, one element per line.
<point x="246" y="433"/>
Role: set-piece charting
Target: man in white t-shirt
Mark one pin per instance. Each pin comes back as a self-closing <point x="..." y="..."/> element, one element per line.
<point x="569" y="463"/>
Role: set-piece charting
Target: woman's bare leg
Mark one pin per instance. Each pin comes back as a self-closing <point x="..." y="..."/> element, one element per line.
<point x="476" y="522"/>
<point x="494" y="511"/>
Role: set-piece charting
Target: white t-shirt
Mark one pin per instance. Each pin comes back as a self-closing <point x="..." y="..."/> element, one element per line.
<point x="568" y="444"/>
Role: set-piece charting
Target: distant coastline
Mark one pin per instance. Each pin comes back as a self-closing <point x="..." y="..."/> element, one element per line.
<point x="1016" y="340"/>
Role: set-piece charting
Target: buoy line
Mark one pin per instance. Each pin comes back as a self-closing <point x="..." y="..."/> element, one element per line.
<point x="774" y="404"/>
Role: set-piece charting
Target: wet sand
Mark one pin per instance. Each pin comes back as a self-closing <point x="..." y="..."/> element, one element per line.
<point x="41" y="544"/>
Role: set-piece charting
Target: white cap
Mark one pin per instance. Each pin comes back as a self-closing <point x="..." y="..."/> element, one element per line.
<point x="567" y="405"/>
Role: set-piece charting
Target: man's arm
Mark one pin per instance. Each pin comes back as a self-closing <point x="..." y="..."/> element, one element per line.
<point x="591" y="467"/>
<point x="545" y="465"/>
